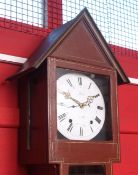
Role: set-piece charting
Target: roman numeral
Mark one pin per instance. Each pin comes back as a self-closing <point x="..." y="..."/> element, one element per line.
<point x="70" y="127"/>
<point x="98" y="120"/>
<point x="89" y="85"/>
<point x="91" y="128"/>
<point x="61" y="104"/>
<point x="69" y="82"/>
<point x="80" y="81"/>
<point x="81" y="131"/>
<point x="62" y="117"/>
<point x="100" y="107"/>
<point x="97" y="95"/>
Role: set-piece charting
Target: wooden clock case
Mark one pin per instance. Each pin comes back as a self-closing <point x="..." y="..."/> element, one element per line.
<point x="77" y="45"/>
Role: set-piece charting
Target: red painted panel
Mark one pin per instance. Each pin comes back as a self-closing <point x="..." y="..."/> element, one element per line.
<point x="130" y="65"/>
<point x="9" y="164"/>
<point x="8" y="95"/>
<point x="9" y="117"/>
<point x="129" y="156"/>
<point x="18" y="43"/>
<point x="125" y="52"/>
<point x="7" y="70"/>
<point x="9" y="123"/>
<point x="128" y="108"/>
<point x="21" y="39"/>
<point x="8" y="90"/>
<point x="128" y="59"/>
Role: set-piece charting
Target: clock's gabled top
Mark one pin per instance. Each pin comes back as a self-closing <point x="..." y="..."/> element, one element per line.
<point x="78" y="40"/>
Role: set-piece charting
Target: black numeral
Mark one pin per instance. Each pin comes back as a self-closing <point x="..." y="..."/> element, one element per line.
<point x="97" y="95"/>
<point x="98" y="120"/>
<point x="69" y="82"/>
<point x="91" y="129"/>
<point x="80" y="81"/>
<point x="70" y="127"/>
<point x="99" y="107"/>
<point x="89" y="85"/>
<point x="62" y="117"/>
<point x="81" y="131"/>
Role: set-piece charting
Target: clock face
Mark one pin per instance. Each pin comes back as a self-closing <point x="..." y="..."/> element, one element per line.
<point x="80" y="107"/>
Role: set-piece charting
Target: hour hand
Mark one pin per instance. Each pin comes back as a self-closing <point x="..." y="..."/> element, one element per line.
<point x="90" y="100"/>
<point x="63" y="105"/>
<point x="73" y="106"/>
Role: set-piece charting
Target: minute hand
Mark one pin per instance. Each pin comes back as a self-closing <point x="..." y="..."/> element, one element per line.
<point x="67" y="95"/>
<point x="76" y="101"/>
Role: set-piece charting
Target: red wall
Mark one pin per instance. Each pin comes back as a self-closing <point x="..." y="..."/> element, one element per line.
<point x="9" y="123"/>
<point x="21" y="44"/>
<point x="128" y="111"/>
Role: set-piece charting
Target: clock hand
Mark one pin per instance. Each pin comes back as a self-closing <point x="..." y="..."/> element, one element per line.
<point x="76" y="101"/>
<point x="73" y="106"/>
<point x="62" y="104"/>
<point x="89" y="100"/>
<point x="67" y="95"/>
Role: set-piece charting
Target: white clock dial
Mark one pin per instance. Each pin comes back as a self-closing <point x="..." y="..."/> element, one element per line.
<point x="80" y="107"/>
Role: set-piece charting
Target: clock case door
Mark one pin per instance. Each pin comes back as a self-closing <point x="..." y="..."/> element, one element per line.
<point x="89" y="169"/>
<point x="83" y="117"/>
<point x="96" y="150"/>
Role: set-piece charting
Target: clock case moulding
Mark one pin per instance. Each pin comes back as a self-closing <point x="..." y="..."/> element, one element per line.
<point x="77" y="45"/>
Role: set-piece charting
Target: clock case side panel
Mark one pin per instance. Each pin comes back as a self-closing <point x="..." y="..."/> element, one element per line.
<point x="33" y="131"/>
<point x="81" y="151"/>
<point x="115" y="114"/>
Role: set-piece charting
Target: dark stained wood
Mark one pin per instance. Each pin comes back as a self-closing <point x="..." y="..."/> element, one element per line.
<point x="81" y="45"/>
<point x="109" y="170"/>
<point x="86" y="169"/>
<point x="63" y="149"/>
<point x="33" y="115"/>
<point x="43" y="170"/>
